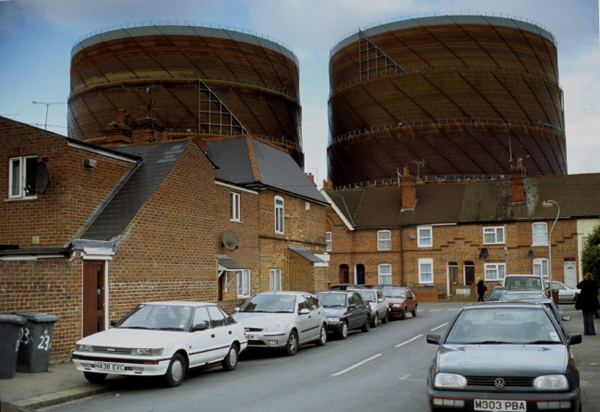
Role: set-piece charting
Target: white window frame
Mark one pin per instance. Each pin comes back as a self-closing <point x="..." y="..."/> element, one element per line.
<point x="279" y="215"/>
<point x="384" y="243"/>
<point x="17" y="184"/>
<point x="274" y="280"/>
<point x="423" y="274"/>
<point x="235" y="207"/>
<point x="384" y="274"/>
<point x="496" y="232"/>
<point x="422" y="240"/>
<point x="540" y="268"/>
<point x="243" y="283"/>
<point x="498" y="269"/>
<point x="328" y="241"/>
<point x="538" y="232"/>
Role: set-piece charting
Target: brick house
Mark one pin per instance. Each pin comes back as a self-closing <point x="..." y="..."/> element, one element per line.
<point x="90" y="230"/>
<point x="440" y="237"/>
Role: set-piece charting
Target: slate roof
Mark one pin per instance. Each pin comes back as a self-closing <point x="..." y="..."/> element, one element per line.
<point x="135" y="191"/>
<point x="251" y="163"/>
<point x="470" y="202"/>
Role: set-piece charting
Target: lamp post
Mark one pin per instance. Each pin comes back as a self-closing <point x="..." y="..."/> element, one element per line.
<point x="547" y="203"/>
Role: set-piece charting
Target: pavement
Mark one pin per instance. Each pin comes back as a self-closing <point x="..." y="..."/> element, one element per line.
<point x="63" y="383"/>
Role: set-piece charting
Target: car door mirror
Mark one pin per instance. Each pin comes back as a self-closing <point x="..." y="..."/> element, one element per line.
<point x="200" y="326"/>
<point x="433" y="339"/>
<point x="114" y="323"/>
<point x="236" y="309"/>
<point x="574" y="338"/>
<point x="566" y="318"/>
<point x="379" y="300"/>
<point x="304" y="311"/>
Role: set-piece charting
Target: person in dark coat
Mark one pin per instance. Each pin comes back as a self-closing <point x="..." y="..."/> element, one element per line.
<point x="481" y="289"/>
<point x="587" y="302"/>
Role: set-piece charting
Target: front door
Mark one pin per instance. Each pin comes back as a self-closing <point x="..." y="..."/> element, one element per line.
<point x="570" y="274"/>
<point x="93" y="297"/>
<point x="360" y="274"/>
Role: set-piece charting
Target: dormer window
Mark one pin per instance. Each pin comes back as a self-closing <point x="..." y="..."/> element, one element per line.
<point x="21" y="177"/>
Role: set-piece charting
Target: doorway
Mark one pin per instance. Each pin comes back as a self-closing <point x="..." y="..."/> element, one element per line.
<point x="570" y="273"/>
<point x="93" y="297"/>
<point x="360" y="274"/>
<point x="469" y="273"/>
<point x="344" y="274"/>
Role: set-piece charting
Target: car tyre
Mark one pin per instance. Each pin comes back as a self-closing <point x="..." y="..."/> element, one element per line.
<point x="291" y="347"/>
<point x="384" y="320"/>
<point x="344" y="332"/>
<point x="176" y="371"/>
<point x="322" y="336"/>
<point x="367" y="326"/>
<point x="414" y="312"/>
<point x="94" y="377"/>
<point x="374" y="321"/>
<point x="403" y="315"/>
<point x="230" y="361"/>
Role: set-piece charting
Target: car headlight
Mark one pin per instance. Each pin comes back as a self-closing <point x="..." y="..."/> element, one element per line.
<point x="274" y="327"/>
<point x="333" y="320"/>
<point x="397" y="305"/>
<point x="551" y="383"/>
<point x="450" y="381"/>
<point x="147" y="351"/>
<point x="84" y="348"/>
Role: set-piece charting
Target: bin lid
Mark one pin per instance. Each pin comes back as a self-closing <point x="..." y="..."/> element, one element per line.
<point x="38" y="317"/>
<point x="14" y="319"/>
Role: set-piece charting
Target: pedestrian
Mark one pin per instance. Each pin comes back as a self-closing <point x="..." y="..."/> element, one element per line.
<point x="481" y="289"/>
<point x="587" y="302"/>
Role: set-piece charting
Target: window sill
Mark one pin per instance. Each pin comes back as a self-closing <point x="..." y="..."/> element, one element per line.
<point x="539" y="245"/>
<point x="20" y="199"/>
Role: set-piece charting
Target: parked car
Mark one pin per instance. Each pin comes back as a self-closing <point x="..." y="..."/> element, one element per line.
<point x="497" y="292"/>
<point x="383" y="285"/>
<point x="346" y="310"/>
<point x="553" y="310"/>
<point x="503" y="357"/>
<point x="566" y="294"/>
<point x="379" y="306"/>
<point x="162" y="338"/>
<point x="535" y="282"/>
<point x="512" y="295"/>
<point x="344" y="286"/>
<point x="400" y="300"/>
<point x="283" y="320"/>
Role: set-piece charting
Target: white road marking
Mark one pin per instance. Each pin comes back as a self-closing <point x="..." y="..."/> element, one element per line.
<point x="434" y="310"/>
<point x="405" y="377"/>
<point x="437" y="327"/>
<point x="357" y="365"/>
<point x="408" y="341"/>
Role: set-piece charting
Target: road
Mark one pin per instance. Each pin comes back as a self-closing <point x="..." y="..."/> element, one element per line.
<point x="382" y="370"/>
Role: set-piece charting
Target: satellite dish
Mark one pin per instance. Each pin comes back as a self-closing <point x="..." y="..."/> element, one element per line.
<point x="42" y="178"/>
<point x="230" y="240"/>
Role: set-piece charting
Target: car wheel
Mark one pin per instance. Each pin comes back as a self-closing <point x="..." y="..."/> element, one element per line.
<point x="403" y="314"/>
<point x="374" y="321"/>
<point x="291" y="347"/>
<point x="322" y="336"/>
<point x="414" y="312"/>
<point x="230" y="361"/>
<point x="94" y="377"/>
<point x="176" y="371"/>
<point x="367" y="326"/>
<point x="384" y="320"/>
<point x="344" y="332"/>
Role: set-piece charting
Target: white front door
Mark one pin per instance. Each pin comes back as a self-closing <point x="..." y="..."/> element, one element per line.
<point x="570" y="274"/>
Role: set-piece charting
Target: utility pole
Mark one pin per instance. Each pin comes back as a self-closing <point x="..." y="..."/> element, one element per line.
<point x="47" y="106"/>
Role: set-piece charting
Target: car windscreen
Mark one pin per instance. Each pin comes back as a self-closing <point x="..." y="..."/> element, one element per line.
<point x="158" y="317"/>
<point x="512" y="296"/>
<point x="270" y="304"/>
<point x="496" y="294"/>
<point x="332" y="300"/>
<point x="490" y="325"/>
<point x="393" y="293"/>
<point x="368" y="295"/>
<point x="523" y="282"/>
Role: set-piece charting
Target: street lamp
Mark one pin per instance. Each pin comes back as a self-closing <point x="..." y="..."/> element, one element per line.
<point x="547" y="203"/>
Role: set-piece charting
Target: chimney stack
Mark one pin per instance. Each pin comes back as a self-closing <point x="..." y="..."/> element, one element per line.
<point x="409" y="189"/>
<point x="517" y="188"/>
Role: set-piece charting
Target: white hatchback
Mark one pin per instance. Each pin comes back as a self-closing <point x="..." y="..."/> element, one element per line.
<point x="162" y="338"/>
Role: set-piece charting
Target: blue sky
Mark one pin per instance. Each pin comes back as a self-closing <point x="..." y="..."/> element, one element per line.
<point x="36" y="37"/>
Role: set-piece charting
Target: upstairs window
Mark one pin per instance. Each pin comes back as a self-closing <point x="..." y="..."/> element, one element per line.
<point x="424" y="236"/>
<point x="540" y="234"/>
<point x="279" y="215"/>
<point x="328" y="241"/>
<point x="22" y="173"/>
<point x="493" y="235"/>
<point x="234" y="206"/>
<point x="384" y="240"/>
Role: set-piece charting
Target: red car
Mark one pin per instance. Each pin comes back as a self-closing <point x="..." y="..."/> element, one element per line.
<point x="400" y="300"/>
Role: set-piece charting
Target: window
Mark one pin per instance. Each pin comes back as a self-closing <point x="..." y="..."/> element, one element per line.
<point x="385" y="274"/>
<point x="425" y="270"/>
<point x="540" y="234"/>
<point x="540" y="268"/>
<point x="275" y="280"/>
<point x="494" y="271"/>
<point x="424" y="236"/>
<point x="279" y="215"/>
<point x="21" y="177"/>
<point x="243" y="283"/>
<point x="235" y="206"/>
<point x="493" y="235"/>
<point x="216" y="316"/>
<point x="201" y="315"/>
<point x="384" y="240"/>
<point x="328" y="241"/>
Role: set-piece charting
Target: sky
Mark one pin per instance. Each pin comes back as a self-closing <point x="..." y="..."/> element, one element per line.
<point x="36" y="38"/>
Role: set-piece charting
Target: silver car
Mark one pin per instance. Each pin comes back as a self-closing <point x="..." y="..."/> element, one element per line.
<point x="283" y="320"/>
<point x="566" y="293"/>
<point x="379" y="306"/>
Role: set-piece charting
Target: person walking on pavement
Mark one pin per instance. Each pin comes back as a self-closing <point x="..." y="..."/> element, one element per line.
<point x="481" y="289"/>
<point x="587" y="302"/>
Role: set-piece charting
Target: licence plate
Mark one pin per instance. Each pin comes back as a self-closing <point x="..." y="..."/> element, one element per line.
<point x="250" y="336"/>
<point x="109" y="367"/>
<point x="499" y="406"/>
